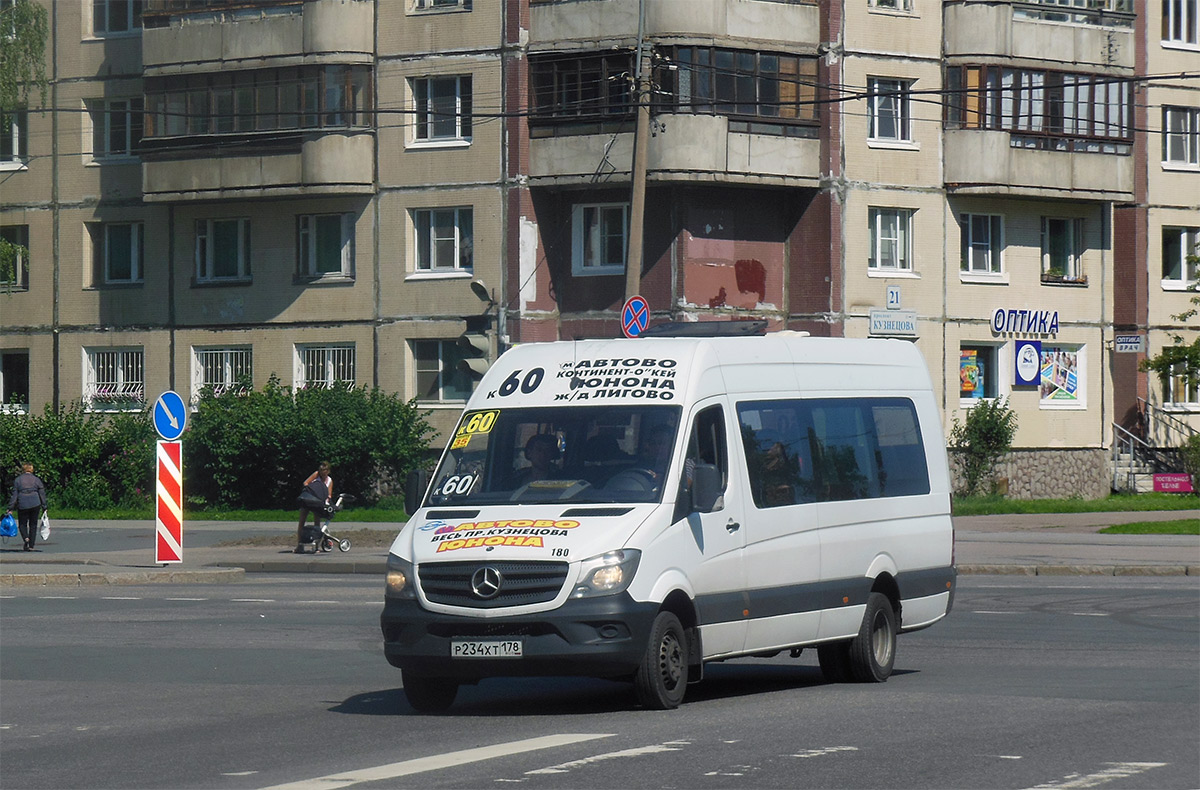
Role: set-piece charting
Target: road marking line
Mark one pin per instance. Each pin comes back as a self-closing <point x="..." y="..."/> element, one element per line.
<point x="986" y="611"/>
<point x="185" y="599"/>
<point x="119" y="598"/>
<point x="437" y="761"/>
<point x="334" y="602"/>
<point x="252" y="600"/>
<point x="637" y="751"/>
<point x="58" y="597"/>
<point x="1089" y="614"/>
<point x="239" y="773"/>
<point x="824" y="751"/>
<point x="1118" y="771"/>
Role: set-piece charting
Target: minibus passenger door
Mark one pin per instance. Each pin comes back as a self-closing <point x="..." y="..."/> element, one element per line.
<point x="713" y="511"/>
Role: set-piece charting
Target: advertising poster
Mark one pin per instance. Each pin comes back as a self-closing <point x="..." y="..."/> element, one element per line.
<point x="1060" y="377"/>
<point x="970" y="374"/>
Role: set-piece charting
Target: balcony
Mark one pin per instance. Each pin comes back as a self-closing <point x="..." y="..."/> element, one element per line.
<point x="987" y="162"/>
<point x="790" y="26"/>
<point x="199" y="36"/>
<point x="328" y="163"/>
<point x="1089" y="33"/>
<point x="710" y="148"/>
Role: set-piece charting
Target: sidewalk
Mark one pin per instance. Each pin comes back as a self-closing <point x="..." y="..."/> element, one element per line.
<point x="121" y="552"/>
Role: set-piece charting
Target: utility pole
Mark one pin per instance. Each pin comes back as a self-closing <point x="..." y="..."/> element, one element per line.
<point x="641" y="144"/>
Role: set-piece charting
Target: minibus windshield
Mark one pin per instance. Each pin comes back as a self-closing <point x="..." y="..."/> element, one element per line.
<point x="557" y="454"/>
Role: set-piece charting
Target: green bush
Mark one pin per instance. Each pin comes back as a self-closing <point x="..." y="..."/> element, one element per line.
<point x="1189" y="451"/>
<point x="253" y="449"/>
<point x="981" y="441"/>
<point x="87" y="461"/>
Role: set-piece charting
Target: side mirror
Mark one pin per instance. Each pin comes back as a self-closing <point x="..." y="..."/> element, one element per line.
<point x="414" y="489"/>
<point x="706" y="487"/>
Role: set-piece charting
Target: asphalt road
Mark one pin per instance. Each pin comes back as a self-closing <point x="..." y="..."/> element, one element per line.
<point x="1031" y="682"/>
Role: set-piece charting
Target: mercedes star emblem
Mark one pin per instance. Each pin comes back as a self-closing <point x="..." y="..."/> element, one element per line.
<point x="485" y="582"/>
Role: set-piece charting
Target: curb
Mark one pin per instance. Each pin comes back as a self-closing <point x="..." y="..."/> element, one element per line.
<point x="378" y="567"/>
<point x="214" y="576"/>
<point x="1080" y="570"/>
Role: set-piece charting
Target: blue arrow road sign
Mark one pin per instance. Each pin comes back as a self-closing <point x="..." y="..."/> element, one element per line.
<point x="170" y="415"/>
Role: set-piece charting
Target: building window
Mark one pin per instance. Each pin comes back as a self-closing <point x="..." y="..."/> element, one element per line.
<point x="114" y="379"/>
<point x="443" y="108"/>
<point x="982" y="243"/>
<point x="891" y="5"/>
<point x="1062" y="250"/>
<point x="1179" y="22"/>
<point x="14" y="139"/>
<point x="445" y="239"/>
<point x="116" y="127"/>
<point x="1181" y="136"/>
<point x="599" y="237"/>
<point x="430" y="5"/>
<point x="585" y="91"/>
<point x="1049" y="110"/>
<point x="1180" y="257"/>
<point x="439" y="376"/>
<point x="1063" y="377"/>
<point x="259" y="100"/>
<point x="222" y="370"/>
<point x="118" y="249"/>
<point x="324" y="366"/>
<point x="116" y="16"/>
<point x="978" y="373"/>
<point x="889" y="110"/>
<point x="14" y="257"/>
<point x="325" y="244"/>
<point x="14" y="382"/>
<point x="758" y="86"/>
<point x="891" y="239"/>
<point x="222" y="250"/>
<point x="1181" y="390"/>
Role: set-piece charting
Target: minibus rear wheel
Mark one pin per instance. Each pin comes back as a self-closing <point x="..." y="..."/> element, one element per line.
<point x="428" y="694"/>
<point x="661" y="680"/>
<point x="873" y="651"/>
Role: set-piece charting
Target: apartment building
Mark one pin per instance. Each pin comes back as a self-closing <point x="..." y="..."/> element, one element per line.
<point x="338" y="190"/>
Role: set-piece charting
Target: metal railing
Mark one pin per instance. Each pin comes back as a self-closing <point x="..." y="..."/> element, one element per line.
<point x="1164" y="429"/>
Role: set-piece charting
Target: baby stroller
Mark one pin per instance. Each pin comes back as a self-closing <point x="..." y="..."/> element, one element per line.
<point x="321" y="538"/>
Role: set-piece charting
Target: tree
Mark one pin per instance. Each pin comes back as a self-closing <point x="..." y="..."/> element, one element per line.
<point x="982" y="441"/>
<point x="1181" y="359"/>
<point x="24" y="27"/>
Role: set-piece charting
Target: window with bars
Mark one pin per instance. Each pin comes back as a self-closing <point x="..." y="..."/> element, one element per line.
<point x="325" y="244"/>
<point x="14" y="139"/>
<point x="600" y="235"/>
<point x="889" y="110"/>
<point x="114" y="379"/>
<point x="14" y="257"/>
<point x="222" y="370"/>
<point x="116" y="127"/>
<point x="1051" y="110"/>
<point x="222" y="250"/>
<point x="982" y="243"/>
<point x="440" y="378"/>
<point x="891" y="239"/>
<point x="324" y="366"/>
<point x="442" y="108"/>
<point x="445" y="239"/>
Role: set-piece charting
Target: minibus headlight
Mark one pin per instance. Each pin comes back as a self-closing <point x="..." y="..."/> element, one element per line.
<point x="607" y="574"/>
<point x="400" y="578"/>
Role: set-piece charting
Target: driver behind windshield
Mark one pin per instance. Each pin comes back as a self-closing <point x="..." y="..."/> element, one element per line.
<point x="654" y="452"/>
<point x="541" y="450"/>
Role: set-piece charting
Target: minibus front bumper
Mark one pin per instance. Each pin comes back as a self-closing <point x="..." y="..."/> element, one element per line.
<point x="594" y="637"/>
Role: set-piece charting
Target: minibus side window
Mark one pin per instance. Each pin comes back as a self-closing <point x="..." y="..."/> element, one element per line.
<point x="776" y="440"/>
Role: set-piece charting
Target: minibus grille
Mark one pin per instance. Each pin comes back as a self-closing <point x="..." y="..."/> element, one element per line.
<point x="520" y="583"/>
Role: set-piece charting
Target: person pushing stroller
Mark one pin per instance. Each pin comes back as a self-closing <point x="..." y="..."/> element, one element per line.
<point x="316" y="499"/>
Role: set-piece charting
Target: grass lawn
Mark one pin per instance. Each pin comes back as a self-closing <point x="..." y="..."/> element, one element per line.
<point x="997" y="505"/>
<point x="1183" y="526"/>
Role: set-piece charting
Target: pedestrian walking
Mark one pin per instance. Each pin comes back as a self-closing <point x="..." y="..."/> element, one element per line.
<point x="29" y="499"/>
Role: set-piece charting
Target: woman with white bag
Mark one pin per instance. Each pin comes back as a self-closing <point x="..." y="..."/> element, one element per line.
<point x="28" y="497"/>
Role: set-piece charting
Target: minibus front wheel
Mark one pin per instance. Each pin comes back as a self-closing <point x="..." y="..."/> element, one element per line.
<point x="661" y="679"/>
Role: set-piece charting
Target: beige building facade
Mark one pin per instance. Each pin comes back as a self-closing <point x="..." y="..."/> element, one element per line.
<point x="330" y="191"/>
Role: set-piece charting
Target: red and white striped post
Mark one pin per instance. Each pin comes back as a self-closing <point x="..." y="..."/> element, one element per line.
<point x="168" y="520"/>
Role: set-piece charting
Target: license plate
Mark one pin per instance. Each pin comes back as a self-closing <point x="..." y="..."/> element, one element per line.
<point x="464" y="648"/>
